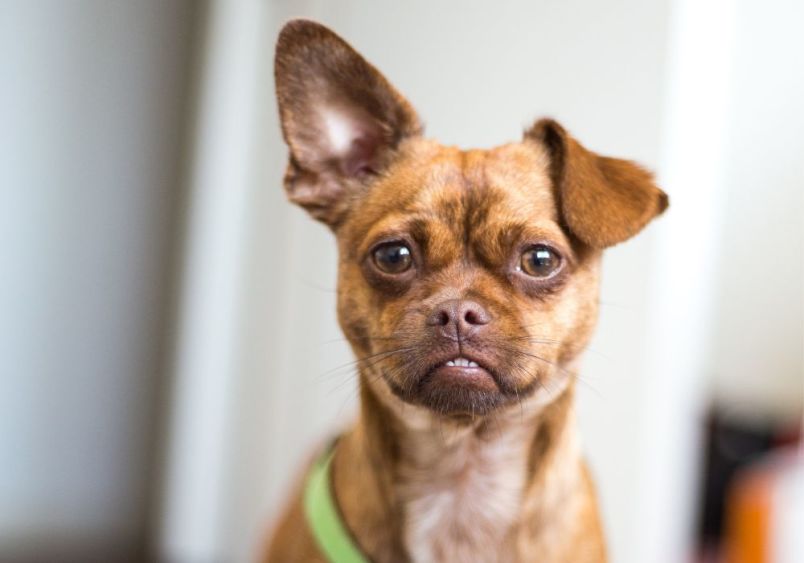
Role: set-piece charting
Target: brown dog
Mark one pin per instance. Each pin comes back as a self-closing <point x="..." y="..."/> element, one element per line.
<point x="468" y="287"/>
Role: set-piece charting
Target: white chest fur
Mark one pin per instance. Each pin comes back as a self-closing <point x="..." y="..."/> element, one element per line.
<point x="462" y="497"/>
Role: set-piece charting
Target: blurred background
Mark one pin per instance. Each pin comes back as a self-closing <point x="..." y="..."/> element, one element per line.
<point x="168" y="333"/>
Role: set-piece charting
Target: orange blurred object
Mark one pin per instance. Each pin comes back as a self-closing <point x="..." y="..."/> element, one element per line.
<point x="750" y="530"/>
<point x="748" y="514"/>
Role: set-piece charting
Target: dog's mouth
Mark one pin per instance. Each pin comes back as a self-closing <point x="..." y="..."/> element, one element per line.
<point x="463" y="385"/>
<point x="462" y="373"/>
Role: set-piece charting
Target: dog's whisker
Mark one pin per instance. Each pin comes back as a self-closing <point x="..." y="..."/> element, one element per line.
<point x="558" y="343"/>
<point x="359" y="361"/>
<point x="585" y="381"/>
<point x="534" y="356"/>
<point x="355" y="368"/>
<point x="521" y="408"/>
<point x="368" y="338"/>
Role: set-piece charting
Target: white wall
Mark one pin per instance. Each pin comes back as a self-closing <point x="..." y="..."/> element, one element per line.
<point x="757" y="357"/>
<point x="91" y="106"/>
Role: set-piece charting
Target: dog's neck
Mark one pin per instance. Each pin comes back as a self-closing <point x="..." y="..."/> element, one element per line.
<point x="432" y="490"/>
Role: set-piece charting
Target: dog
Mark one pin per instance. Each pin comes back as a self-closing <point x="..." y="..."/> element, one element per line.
<point x="468" y="289"/>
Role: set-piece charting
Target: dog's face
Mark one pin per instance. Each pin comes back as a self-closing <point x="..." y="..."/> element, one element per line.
<point x="468" y="280"/>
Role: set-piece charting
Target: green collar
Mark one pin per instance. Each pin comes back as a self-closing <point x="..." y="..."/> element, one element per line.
<point x="323" y="516"/>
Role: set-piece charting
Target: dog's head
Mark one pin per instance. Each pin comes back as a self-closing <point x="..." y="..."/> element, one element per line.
<point x="468" y="280"/>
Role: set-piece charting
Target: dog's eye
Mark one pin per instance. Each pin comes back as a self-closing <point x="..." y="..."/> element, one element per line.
<point x="393" y="258"/>
<point x="540" y="261"/>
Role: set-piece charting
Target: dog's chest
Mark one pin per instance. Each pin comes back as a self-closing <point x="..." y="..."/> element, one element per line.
<point x="464" y="506"/>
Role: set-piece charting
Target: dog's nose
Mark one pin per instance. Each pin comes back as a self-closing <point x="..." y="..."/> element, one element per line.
<point x="458" y="318"/>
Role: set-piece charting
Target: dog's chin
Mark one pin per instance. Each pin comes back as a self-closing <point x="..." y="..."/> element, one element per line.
<point x="460" y="390"/>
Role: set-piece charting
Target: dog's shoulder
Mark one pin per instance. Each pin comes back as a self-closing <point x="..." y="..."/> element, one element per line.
<point x="291" y="538"/>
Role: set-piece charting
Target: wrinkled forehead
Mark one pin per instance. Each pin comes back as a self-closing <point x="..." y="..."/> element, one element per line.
<point x="459" y="198"/>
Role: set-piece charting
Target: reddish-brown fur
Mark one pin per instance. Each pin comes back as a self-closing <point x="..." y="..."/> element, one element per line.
<point x="494" y="468"/>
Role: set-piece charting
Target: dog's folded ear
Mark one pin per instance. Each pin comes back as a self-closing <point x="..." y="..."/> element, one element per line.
<point x="603" y="200"/>
<point x="340" y="117"/>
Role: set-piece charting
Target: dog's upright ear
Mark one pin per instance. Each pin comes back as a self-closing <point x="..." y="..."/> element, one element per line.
<point x="341" y="119"/>
<point x="603" y="200"/>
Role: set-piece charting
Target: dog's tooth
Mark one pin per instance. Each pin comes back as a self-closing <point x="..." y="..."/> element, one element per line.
<point x="473" y="364"/>
<point x="451" y="363"/>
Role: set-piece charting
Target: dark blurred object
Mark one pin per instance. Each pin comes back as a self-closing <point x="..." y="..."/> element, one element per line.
<point x="730" y="445"/>
<point x="737" y="486"/>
